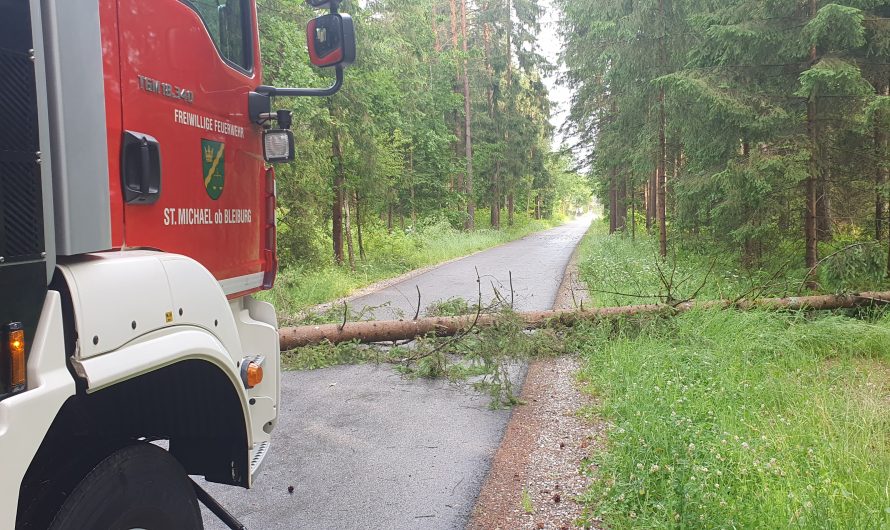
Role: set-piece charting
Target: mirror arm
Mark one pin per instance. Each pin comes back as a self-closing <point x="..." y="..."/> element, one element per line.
<point x="299" y="92"/>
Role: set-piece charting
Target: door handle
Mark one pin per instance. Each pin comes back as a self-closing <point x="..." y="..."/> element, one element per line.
<point x="140" y="168"/>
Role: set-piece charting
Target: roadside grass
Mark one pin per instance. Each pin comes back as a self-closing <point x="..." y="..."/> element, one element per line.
<point x="729" y="419"/>
<point x="619" y="270"/>
<point x="388" y="255"/>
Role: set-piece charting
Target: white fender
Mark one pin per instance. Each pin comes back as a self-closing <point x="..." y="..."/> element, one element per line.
<point x="137" y="311"/>
<point x="26" y="418"/>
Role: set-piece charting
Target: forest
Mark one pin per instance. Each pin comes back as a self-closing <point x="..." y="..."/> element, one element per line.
<point x="442" y="128"/>
<point x="755" y="128"/>
<point x="738" y="150"/>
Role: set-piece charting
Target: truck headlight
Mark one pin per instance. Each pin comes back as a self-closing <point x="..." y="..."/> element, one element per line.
<point x="278" y="145"/>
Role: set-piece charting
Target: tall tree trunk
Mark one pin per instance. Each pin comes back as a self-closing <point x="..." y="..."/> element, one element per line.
<point x="458" y="126"/>
<point x="468" y="135"/>
<point x="652" y="193"/>
<point x="437" y="45"/>
<point x="348" y="227"/>
<point x="811" y="255"/>
<point x="495" y="212"/>
<point x="880" y="150"/>
<point x="660" y="197"/>
<point x="339" y="180"/>
<point x="358" y="227"/>
<point x="389" y="216"/>
<point x="633" y="211"/>
<point x="411" y="173"/>
<point x="660" y="209"/>
<point x="613" y="202"/>
<point x="621" y="224"/>
<point x="510" y="208"/>
<point x="748" y="243"/>
<point x="823" y="204"/>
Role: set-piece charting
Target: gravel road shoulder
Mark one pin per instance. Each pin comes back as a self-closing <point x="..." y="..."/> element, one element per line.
<point x="540" y="468"/>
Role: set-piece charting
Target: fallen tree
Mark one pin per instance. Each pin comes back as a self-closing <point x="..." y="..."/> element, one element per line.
<point x="396" y="330"/>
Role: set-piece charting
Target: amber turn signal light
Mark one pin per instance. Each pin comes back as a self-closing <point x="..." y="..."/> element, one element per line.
<point x="254" y="374"/>
<point x="15" y="341"/>
<point x="252" y="371"/>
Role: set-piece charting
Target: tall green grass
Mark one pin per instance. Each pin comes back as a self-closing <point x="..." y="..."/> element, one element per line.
<point x="389" y="254"/>
<point x="728" y="419"/>
<point x="620" y="270"/>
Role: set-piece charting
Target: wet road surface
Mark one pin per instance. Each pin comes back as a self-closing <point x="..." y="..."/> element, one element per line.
<point x="365" y="448"/>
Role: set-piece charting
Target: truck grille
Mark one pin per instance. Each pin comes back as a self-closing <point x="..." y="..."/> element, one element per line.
<point x="21" y="203"/>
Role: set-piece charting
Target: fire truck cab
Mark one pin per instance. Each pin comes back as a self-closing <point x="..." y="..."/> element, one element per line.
<point x="137" y="220"/>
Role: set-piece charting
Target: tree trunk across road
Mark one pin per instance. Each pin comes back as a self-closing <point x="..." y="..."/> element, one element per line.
<point x="393" y="330"/>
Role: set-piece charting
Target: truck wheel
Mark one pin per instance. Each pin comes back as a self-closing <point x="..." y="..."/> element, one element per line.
<point x="140" y="486"/>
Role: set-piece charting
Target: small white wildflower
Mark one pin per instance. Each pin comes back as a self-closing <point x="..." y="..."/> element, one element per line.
<point x="745" y="445"/>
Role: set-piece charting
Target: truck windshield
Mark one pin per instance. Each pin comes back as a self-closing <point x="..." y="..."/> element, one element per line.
<point x="228" y="23"/>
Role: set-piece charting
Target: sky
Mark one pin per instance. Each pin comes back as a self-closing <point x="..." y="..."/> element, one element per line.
<point x="550" y="42"/>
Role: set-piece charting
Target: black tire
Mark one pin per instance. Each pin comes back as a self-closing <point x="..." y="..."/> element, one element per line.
<point x="139" y="486"/>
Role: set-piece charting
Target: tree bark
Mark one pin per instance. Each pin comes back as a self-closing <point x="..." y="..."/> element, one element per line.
<point x="358" y="227"/>
<point x="633" y="211"/>
<point x="661" y="195"/>
<point x="348" y="228"/>
<point x="613" y="202"/>
<point x="437" y="45"/>
<point x="823" y="204"/>
<point x="339" y="179"/>
<point x="811" y="254"/>
<point x="393" y="330"/>
<point x="496" y="197"/>
<point x="880" y="150"/>
<point x="650" y="198"/>
<point x="468" y="134"/>
<point x="621" y="224"/>
<point x="411" y="173"/>
<point x="458" y="128"/>
<point x="661" y="209"/>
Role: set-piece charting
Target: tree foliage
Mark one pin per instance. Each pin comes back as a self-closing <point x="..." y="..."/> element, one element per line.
<point x="775" y="116"/>
<point x="389" y="148"/>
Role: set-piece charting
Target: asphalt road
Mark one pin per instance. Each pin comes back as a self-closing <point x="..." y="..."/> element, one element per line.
<point x="365" y="448"/>
<point x="536" y="263"/>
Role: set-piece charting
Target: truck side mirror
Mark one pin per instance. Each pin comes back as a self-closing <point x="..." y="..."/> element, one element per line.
<point x="331" y="40"/>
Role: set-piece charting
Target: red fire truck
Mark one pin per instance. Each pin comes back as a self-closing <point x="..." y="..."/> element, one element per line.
<point x="137" y="218"/>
